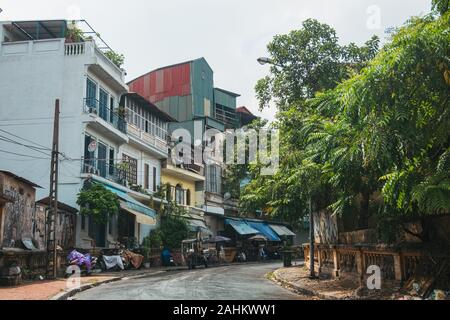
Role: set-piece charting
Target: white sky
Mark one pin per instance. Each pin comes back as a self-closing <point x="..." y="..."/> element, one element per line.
<point x="230" y="34"/>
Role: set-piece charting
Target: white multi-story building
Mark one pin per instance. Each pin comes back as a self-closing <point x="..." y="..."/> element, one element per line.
<point x="37" y="66"/>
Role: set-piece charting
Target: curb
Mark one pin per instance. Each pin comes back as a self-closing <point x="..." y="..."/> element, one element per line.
<point x="67" y="294"/>
<point x="300" y="290"/>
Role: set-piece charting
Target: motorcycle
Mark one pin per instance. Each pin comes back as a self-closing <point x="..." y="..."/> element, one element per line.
<point x="85" y="262"/>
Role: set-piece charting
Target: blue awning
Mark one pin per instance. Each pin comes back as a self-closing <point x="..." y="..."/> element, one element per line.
<point x="241" y="227"/>
<point x="132" y="203"/>
<point x="264" y="229"/>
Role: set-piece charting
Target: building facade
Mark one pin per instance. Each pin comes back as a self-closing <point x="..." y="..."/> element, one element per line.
<point x="186" y="91"/>
<point x="106" y="135"/>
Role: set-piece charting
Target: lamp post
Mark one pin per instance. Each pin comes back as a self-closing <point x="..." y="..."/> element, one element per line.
<point x="264" y="61"/>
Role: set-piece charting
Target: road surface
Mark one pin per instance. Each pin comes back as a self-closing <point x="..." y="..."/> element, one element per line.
<point x="233" y="282"/>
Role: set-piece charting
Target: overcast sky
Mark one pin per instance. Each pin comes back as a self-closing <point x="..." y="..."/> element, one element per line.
<point x="230" y="34"/>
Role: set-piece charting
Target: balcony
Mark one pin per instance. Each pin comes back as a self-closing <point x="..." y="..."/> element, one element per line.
<point x="181" y="171"/>
<point x="98" y="63"/>
<point x="102" y="168"/>
<point x="105" y="120"/>
<point x="147" y="141"/>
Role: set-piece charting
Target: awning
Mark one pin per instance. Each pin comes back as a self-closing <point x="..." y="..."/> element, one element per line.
<point x="129" y="203"/>
<point x="241" y="227"/>
<point x="264" y="229"/>
<point x="281" y="230"/>
<point x="194" y="224"/>
<point x="140" y="217"/>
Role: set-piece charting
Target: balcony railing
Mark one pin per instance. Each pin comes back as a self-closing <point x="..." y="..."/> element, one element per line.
<point x="104" y="169"/>
<point x="90" y="48"/>
<point x="74" y="49"/>
<point x="148" y="138"/>
<point x="191" y="167"/>
<point x="111" y="116"/>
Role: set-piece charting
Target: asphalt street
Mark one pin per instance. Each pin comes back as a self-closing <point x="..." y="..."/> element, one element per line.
<point x="235" y="282"/>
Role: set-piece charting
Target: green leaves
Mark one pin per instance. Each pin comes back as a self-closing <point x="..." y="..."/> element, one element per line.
<point x="98" y="202"/>
<point x="377" y="140"/>
<point x="117" y="58"/>
<point x="441" y="6"/>
<point x="308" y="61"/>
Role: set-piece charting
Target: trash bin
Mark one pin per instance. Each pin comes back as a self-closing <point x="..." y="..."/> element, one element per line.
<point x="287" y="258"/>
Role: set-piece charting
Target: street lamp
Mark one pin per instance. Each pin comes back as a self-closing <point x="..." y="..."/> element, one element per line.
<point x="264" y="60"/>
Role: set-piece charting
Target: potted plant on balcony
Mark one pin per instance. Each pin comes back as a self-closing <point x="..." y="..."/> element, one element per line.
<point x="74" y="34"/>
<point x="117" y="58"/>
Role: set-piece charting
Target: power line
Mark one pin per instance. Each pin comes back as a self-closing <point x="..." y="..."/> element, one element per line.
<point x="34" y="118"/>
<point x="24" y="145"/>
<point x="22" y="155"/>
<point x="28" y="146"/>
<point x="12" y="134"/>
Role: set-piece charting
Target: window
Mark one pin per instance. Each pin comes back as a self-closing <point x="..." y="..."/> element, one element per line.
<point x="146" y="176"/>
<point x="111" y="161"/>
<point x="188" y="197"/>
<point x="91" y="94"/>
<point x="179" y="195"/>
<point x="89" y="157"/>
<point x="154" y="179"/>
<point x="111" y="109"/>
<point x="101" y="161"/>
<point x="103" y="105"/>
<point x="213" y="179"/>
<point x="131" y="172"/>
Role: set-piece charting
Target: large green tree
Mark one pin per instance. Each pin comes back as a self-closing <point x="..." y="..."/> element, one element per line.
<point x="307" y="61"/>
<point x="382" y="130"/>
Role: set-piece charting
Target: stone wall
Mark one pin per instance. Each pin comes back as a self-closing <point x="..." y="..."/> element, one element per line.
<point x="18" y="215"/>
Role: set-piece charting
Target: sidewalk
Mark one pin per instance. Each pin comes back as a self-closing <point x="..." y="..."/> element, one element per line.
<point x="45" y="290"/>
<point x="297" y="279"/>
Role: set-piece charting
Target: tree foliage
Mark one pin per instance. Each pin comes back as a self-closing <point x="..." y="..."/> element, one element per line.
<point x="98" y="202"/>
<point x="374" y="139"/>
<point x="307" y="61"/>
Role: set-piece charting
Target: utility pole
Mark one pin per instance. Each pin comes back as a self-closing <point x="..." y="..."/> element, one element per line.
<point x="52" y="254"/>
<point x="312" y="274"/>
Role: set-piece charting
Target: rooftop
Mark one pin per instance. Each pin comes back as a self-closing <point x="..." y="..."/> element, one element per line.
<point x="8" y="173"/>
<point x="51" y="29"/>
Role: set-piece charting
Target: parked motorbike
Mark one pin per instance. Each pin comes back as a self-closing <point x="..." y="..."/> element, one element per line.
<point x="85" y="262"/>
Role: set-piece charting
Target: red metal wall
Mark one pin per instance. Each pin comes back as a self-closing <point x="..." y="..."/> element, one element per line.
<point x="167" y="82"/>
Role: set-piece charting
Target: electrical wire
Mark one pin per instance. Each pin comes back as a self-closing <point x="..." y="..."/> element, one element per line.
<point x="22" y="155"/>
<point x="24" y="145"/>
<point x="12" y="134"/>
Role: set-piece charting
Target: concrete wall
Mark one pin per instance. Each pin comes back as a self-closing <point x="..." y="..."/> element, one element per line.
<point x="18" y="217"/>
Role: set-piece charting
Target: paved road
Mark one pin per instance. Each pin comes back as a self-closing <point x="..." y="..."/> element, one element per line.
<point x="230" y="282"/>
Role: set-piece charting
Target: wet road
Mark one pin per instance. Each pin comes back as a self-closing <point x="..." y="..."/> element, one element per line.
<point x="230" y="282"/>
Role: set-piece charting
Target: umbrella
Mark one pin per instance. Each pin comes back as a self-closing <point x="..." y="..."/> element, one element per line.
<point x="258" y="237"/>
<point x="218" y="239"/>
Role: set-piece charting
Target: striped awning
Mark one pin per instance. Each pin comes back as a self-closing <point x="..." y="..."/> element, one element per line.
<point x="281" y="230"/>
<point x="130" y="203"/>
<point x="241" y="227"/>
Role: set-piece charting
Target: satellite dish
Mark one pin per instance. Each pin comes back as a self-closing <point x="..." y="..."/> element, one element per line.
<point x="227" y="196"/>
